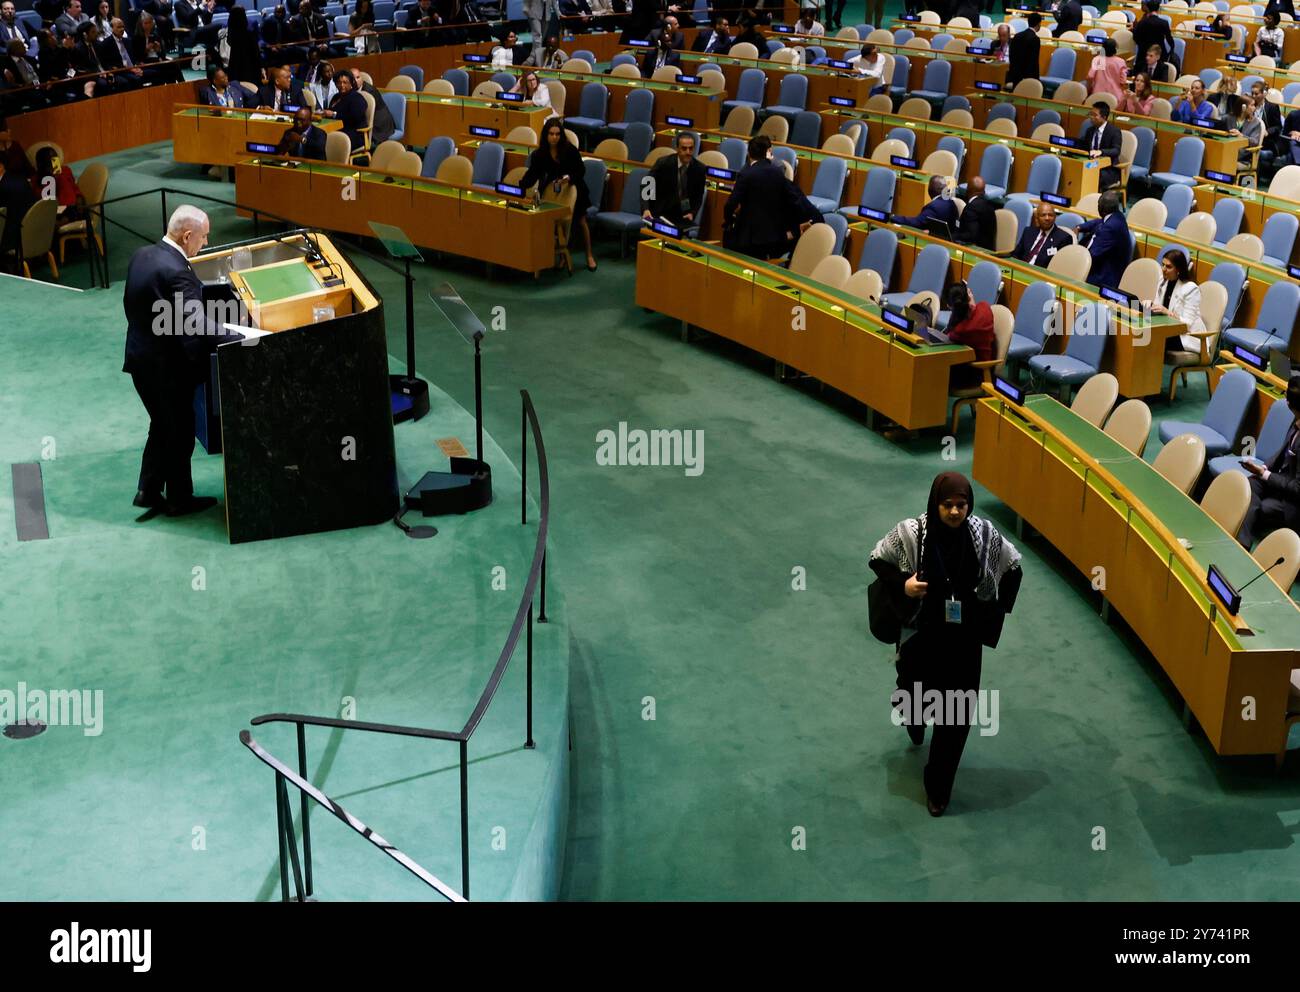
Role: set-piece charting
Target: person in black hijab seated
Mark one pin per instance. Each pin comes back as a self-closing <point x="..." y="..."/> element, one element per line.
<point x="950" y="579"/>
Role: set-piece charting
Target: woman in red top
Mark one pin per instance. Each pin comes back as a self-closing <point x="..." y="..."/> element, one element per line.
<point x="971" y="324"/>
<point x="65" y="184"/>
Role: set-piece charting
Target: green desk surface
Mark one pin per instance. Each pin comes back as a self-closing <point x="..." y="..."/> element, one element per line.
<point x="279" y="282"/>
<point x="1272" y="615"/>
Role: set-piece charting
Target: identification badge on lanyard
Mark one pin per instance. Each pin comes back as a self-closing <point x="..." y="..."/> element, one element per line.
<point x="952" y="610"/>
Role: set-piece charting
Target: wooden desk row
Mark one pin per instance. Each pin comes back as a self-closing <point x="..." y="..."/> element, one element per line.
<point x="840" y="342"/>
<point x="1080" y="174"/>
<point x="1102" y="506"/>
<point x="222" y="136"/>
<point x="1221" y="149"/>
<point x="470" y="222"/>
<point x="699" y="104"/>
<point x="1135" y="352"/>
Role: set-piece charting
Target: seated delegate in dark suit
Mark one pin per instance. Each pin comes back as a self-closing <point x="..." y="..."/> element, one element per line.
<point x="1102" y="139"/>
<point x="938" y="212"/>
<point x="765" y="212"/>
<point x="1044" y="239"/>
<point x="350" y="108"/>
<point x="1069" y="16"/>
<point x="221" y="91"/>
<point x="1275" y="488"/>
<point x="303" y="139"/>
<point x="658" y="57"/>
<point x="671" y="31"/>
<point x="978" y="224"/>
<point x="384" y="124"/>
<point x="1111" y="245"/>
<point x="1022" y="57"/>
<point x="86" y="59"/>
<point x="672" y="200"/>
<point x="715" y="42"/>
<point x="1291" y="133"/>
<point x="115" y="53"/>
<point x="282" y="92"/>
<point x="168" y="340"/>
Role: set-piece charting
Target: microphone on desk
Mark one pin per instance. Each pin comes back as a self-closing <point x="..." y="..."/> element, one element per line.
<point x="1280" y="560"/>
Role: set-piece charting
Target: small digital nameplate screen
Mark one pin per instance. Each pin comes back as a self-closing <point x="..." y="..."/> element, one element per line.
<point x="1063" y="141"/>
<point x="983" y="84"/>
<point x="896" y="320"/>
<point x="872" y="214"/>
<point x="839" y="64"/>
<point x="726" y="175"/>
<point x="510" y="190"/>
<point x="1060" y="201"/>
<point x="666" y="229"/>
<point x="1219" y="177"/>
<point x="1221" y="587"/>
<point x="689" y="80"/>
<point x="512" y="97"/>
<point x="1012" y="392"/>
<point x="1249" y="357"/>
<point x="484" y="132"/>
<point x="257" y="146"/>
<point x="681" y="121"/>
<point x="842" y="101"/>
<point x="473" y="57"/>
<point x="903" y="163"/>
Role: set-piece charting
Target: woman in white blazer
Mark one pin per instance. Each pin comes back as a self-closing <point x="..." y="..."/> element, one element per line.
<point x="1179" y="297"/>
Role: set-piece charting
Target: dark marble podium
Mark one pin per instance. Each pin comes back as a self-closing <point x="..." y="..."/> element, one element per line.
<point x="306" y="421"/>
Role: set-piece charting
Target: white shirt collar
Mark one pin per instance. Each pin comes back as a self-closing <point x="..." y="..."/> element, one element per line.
<point x="168" y="241"/>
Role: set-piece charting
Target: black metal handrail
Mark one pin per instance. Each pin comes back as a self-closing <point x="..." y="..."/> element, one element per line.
<point x="162" y="191"/>
<point x="283" y="775"/>
<point x="523" y="622"/>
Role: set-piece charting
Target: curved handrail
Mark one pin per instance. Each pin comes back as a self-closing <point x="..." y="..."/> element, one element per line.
<point x="309" y="790"/>
<point x="1148" y="517"/>
<point x="523" y="620"/>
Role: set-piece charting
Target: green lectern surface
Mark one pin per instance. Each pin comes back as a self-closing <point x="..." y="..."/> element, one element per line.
<point x="279" y="282"/>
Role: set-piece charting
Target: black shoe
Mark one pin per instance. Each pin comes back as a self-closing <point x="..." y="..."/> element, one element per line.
<point x="934" y="808"/>
<point x="193" y="504"/>
<point x="150" y="501"/>
<point x="917" y="734"/>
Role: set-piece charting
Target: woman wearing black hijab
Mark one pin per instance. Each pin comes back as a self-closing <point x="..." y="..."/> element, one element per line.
<point x="951" y="579"/>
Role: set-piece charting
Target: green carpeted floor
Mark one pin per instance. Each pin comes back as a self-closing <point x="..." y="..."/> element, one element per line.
<point x="771" y="705"/>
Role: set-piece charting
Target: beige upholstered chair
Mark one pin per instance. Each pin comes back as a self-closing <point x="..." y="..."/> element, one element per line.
<point x="456" y="169"/>
<point x="887" y="149"/>
<point x="1141" y="277"/>
<point x="1072" y="261"/>
<point x="1150" y="213"/>
<point x="1096" y="397"/>
<point x="1197" y="227"/>
<point x="403" y="84"/>
<point x="740" y="121"/>
<point x="833" y="271"/>
<point x="94" y="187"/>
<point x="1004" y="126"/>
<point x="1227" y="499"/>
<point x="522" y="135"/>
<point x="1181" y="461"/>
<point x="611" y="148"/>
<point x="1130" y="425"/>
<point x="813" y="245"/>
<point x="37" y="236"/>
<point x="777" y="128"/>
<point x="406" y="163"/>
<point x="440" y="87"/>
<point x="385" y="154"/>
<point x="338" y="147"/>
<point x="576" y="65"/>
<point x="865" y="284"/>
<point x="1282" y="543"/>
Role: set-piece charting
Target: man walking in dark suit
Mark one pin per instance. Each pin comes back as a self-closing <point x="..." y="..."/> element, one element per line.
<point x="766" y="212"/>
<point x="1040" y="243"/>
<point x="1022" y="54"/>
<point x="1111" y="246"/>
<point x="1102" y="138"/>
<point x="1275" y="488"/>
<point x="168" y="340"/>
<point x="678" y="186"/>
<point x="978" y="224"/>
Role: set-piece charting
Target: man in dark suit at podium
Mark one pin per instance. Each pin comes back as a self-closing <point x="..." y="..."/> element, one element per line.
<point x="168" y="340"/>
